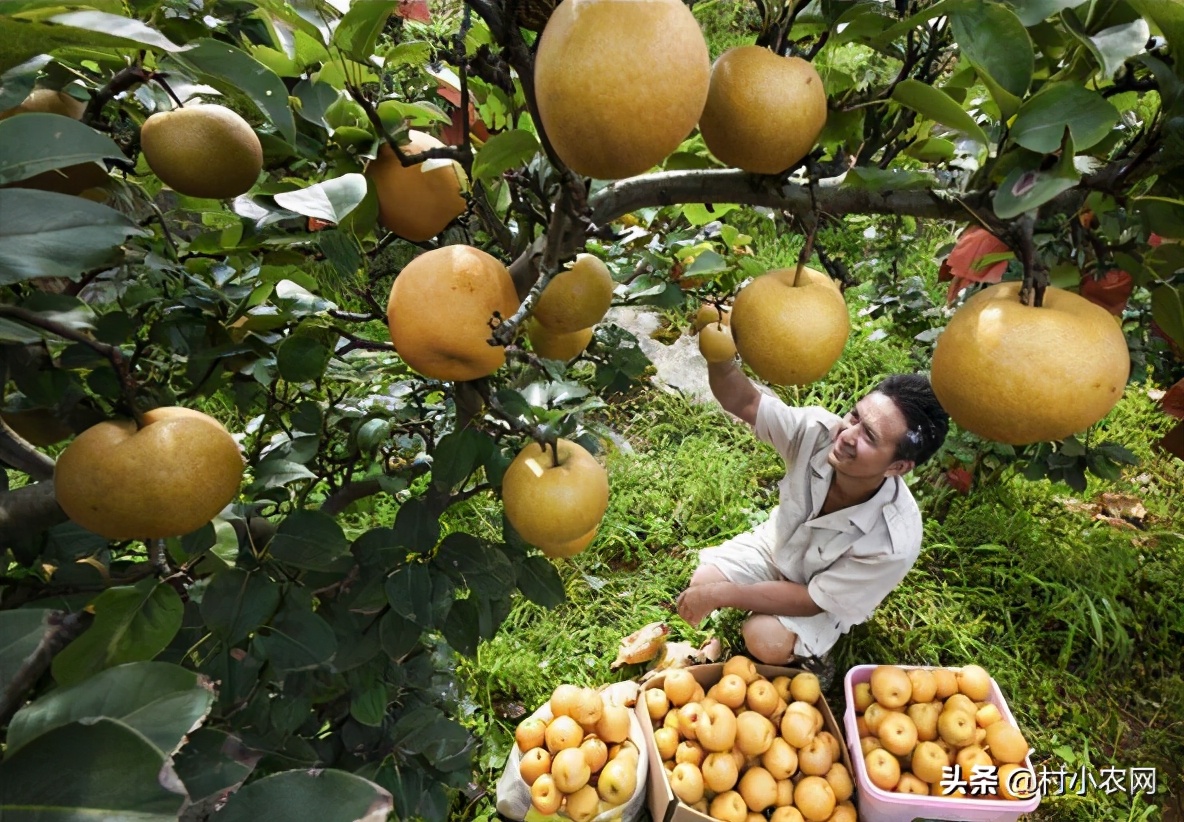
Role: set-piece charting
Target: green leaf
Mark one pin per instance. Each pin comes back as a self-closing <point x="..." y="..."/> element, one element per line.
<point x="995" y="42"/>
<point x="357" y="32"/>
<point x="1027" y="187"/>
<point x="159" y="700"/>
<point x="1115" y="45"/>
<point x="82" y="771"/>
<point x="331" y="200"/>
<point x="323" y="795"/>
<point x="1167" y="309"/>
<point x="132" y="623"/>
<point x="37" y="142"/>
<point x="458" y="454"/>
<point x="113" y="25"/>
<point x="1168" y="15"/>
<point x="698" y="214"/>
<point x="483" y="567"/>
<point x="428" y="732"/>
<point x="879" y="179"/>
<point x="416" y="527"/>
<point x="297" y="640"/>
<point x="234" y="71"/>
<point x="540" y="582"/>
<point x="1031" y="12"/>
<point x="309" y="539"/>
<point x="44" y="234"/>
<point x="503" y="152"/>
<point x="213" y="761"/>
<point x="1163" y="215"/>
<point x="302" y="358"/>
<point x="409" y="592"/>
<point x="399" y="636"/>
<point x="461" y="629"/>
<point x="237" y="602"/>
<point x="21" y="631"/>
<point x="937" y="106"/>
<point x="369" y="707"/>
<point x="19" y="81"/>
<point x="707" y="262"/>
<point x="1041" y="122"/>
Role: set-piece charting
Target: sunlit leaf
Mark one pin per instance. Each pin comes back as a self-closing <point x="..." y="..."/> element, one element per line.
<point x="938" y="106"/>
<point x="324" y="795"/>
<point x="1041" y="122"/>
<point x="36" y="142"/>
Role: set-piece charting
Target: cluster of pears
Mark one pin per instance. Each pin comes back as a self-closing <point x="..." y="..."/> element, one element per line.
<point x="914" y="724"/>
<point x="616" y="99"/>
<point x="572" y="303"/>
<point x="749" y="746"/>
<point x="580" y="762"/>
<point x="789" y="326"/>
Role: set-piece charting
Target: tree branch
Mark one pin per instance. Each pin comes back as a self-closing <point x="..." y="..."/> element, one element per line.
<point x="349" y="493"/>
<point x="64" y="628"/>
<point x="127" y="385"/>
<point x="17" y="452"/>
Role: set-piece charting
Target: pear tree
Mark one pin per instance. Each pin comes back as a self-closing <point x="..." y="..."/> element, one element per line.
<point x="206" y="207"/>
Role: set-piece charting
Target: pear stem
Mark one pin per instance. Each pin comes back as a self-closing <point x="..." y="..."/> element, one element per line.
<point x="811" y="222"/>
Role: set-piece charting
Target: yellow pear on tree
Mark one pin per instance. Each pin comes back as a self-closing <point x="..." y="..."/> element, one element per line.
<point x="764" y="112"/>
<point x="442" y="310"/>
<point x="555" y="498"/>
<point x="790" y="329"/>
<point x="716" y="343"/>
<point x="417" y="201"/>
<point x="202" y="151"/>
<point x="708" y="314"/>
<point x="576" y="298"/>
<point x="168" y="478"/>
<point x="620" y="83"/>
<point x="1020" y="374"/>
<point x="73" y="179"/>
<point x="556" y="345"/>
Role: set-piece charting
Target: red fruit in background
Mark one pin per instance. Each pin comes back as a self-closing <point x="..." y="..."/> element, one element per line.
<point x="960" y="479"/>
<point x="1111" y="291"/>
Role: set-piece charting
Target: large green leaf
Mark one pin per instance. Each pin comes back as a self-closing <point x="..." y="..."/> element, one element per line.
<point x="43" y="234"/>
<point x="937" y="106"/>
<point x="309" y="539"/>
<point x="483" y="567"/>
<point x="428" y="732"/>
<point x="21" y="632"/>
<point x="409" y="592"/>
<point x="1163" y="215"/>
<point x="125" y="28"/>
<point x="161" y="701"/>
<point x="132" y="623"/>
<point x="237" y="602"/>
<point x="1167" y="309"/>
<point x="233" y="70"/>
<point x="540" y="582"/>
<point x="297" y="640"/>
<point x="996" y="43"/>
<point x="357" y="32"/>
<point x="1168" y="15"/>
<point x="323" y="795"/>
<point x="89" y="771"/>
<point x="1031" y="12"/>
<point x="36" y="142"/>
<point x="1028" y="186"/>
<point x="213" y="761"/>
<point x="1041" y="122"/>
<point x="503" y="152"/>
<point x="330" y="201"/>
<point x="417" y="526"/>
<point x="458" y="454"/>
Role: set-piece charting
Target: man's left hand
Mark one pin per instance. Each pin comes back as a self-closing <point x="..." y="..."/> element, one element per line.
<point x="698" y="601"/>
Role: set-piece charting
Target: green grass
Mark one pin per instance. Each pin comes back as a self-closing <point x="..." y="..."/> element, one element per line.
<point x="1078" y="619"/>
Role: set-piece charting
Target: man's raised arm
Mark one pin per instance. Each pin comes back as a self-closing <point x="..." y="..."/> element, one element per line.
<point x="734" y="391"/>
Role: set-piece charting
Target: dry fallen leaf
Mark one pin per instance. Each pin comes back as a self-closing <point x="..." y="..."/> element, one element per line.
<point x="642" y="645"/>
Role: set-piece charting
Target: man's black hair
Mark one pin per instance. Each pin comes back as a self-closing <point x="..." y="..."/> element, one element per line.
<point x="927" y="422"/>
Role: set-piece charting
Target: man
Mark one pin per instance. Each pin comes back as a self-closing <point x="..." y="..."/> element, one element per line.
<point x="847" y="529"/>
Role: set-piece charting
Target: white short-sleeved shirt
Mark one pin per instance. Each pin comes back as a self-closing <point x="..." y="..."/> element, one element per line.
<point x="850" y="559"/>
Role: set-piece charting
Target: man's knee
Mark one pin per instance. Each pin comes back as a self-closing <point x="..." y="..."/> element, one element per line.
<point x="705" y="574"/>
<point x="769" y="641"/>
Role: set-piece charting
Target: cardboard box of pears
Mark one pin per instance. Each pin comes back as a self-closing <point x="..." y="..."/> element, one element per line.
<point x="737" y="740"/>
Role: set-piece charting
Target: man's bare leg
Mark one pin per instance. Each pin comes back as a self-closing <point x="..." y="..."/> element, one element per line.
<point x="769" y="641"/>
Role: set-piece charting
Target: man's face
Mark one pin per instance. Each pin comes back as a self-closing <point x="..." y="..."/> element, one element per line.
<point x="866" y="439"/>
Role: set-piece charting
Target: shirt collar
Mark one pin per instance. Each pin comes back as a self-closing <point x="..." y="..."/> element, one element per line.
<point x="864" y="515"/>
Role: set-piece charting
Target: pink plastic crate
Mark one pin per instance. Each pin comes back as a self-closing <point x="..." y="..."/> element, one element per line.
<point x="877" y="805"/>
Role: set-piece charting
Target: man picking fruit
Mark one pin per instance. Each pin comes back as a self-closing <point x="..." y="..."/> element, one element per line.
<point x="846" y="529"/>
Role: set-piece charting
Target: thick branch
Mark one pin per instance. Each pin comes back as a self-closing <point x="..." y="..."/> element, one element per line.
<point x="16" y="452"/>
<point x="28" y="510"/>
<point x="731" y="186"/>
<point x="64" y="628"/>
<point x="351" y="492"/>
